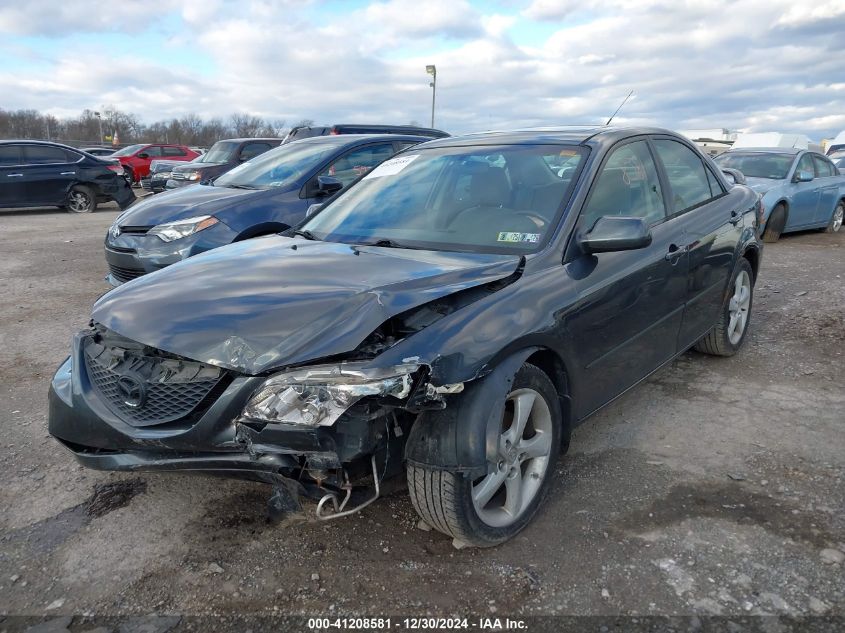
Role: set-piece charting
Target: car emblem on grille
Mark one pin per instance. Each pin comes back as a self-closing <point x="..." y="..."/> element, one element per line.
<point x="115" y="231"/>
<point x="132" y="391"/>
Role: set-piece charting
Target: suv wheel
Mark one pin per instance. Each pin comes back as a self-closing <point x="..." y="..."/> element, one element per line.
<point x="727" y="336"/>
<point x="493" y="508"/>
<point x="81" y="199"/>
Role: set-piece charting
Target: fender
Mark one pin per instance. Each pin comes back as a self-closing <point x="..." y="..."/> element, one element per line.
<point x="457" y="438"/>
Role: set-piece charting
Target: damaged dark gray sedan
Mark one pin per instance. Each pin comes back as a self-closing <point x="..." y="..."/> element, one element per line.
<point x="452" y="317"/>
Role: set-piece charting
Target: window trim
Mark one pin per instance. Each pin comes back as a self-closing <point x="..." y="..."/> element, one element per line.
<point x="664" y="137"/>
<point x="23" y="147"/>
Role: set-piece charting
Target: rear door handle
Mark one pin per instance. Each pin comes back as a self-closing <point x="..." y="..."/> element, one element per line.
<point x="675" y="252"/>
<point x="14" y="175"/>
<point x="68" y="173"/>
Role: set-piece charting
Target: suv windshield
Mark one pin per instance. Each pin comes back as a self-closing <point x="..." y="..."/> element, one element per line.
<point x="220" y="152"/>
<point x="278" y="167"/>
<point x="758" y="164"/>
<point x="490" y="199"/>
<point x="128" y="151"/>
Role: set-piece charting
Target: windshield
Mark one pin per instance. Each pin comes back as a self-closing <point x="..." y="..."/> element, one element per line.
<point x="757" y="165"/>
<point x="278" y="167"/>
<point x="220" y="152"/>
<point x="128" y="151"/>
<point x="490" y="199"/>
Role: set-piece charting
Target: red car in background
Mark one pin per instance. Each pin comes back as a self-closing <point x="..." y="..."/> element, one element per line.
<point x="136" y="159"/>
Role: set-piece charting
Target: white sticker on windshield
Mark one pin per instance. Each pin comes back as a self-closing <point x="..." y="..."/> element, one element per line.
<point x="391" y="167"/>
<point x="506" y="236"/>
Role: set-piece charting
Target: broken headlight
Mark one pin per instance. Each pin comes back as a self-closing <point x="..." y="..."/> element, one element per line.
<point x="317" y="396"/>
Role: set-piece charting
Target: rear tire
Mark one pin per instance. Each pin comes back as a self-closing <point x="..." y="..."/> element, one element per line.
<point x="81" y="199"/>
<point x="130" y="175"/>
<point x="836" y="219"/>
<point x="495" y="507"/>
<point x="726" y="337"/>
<point x="775" y="225"/>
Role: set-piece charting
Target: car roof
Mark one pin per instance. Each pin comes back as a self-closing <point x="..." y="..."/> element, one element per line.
<point x="765" y="150"/>
<point x="247" y="138"/>
<point x="31" y="141"/>
<point x="554" y="135"/>
<point x="344" y="139"/>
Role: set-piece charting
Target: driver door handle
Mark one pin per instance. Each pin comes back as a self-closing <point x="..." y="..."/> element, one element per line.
<point x="736" y="217"/>
<point x="675" y="253"/>
<point x="14" y="175"/>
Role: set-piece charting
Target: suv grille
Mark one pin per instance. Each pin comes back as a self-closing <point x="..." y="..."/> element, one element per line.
<point x="125" y="274"/>
<point x="148" y="390"/>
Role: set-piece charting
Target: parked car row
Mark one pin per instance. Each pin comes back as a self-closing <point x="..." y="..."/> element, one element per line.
<point x="450" y="309"/>
<point x="40" y="173"/>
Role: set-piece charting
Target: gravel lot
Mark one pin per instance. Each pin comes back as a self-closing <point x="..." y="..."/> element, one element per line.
<point x="714" y="488"/>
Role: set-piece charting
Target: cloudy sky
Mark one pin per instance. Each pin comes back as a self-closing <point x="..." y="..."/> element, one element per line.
<point x="760" y="65"/>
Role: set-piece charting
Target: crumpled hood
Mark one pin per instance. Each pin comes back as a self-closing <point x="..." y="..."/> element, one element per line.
<point x="188" y="202"/>
<point x="264" y="303"/>
<point x="763" y="185"/>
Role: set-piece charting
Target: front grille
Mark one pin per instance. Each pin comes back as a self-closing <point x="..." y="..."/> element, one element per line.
<point x="135" y="230"/>
<point x="161" y="389"/>
<point x="177" y="176"/>
<point x="125" y="274"/>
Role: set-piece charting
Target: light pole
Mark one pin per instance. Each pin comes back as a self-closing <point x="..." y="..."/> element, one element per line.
<point x="431" y="69"/>
<point x="100" y="122"/>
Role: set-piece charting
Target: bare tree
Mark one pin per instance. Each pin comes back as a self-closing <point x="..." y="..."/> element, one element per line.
<point x="246" y="125"/>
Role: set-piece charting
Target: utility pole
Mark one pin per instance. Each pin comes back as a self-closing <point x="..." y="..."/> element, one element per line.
<point x="100" y="122"/>
<point x="431" y="69"/>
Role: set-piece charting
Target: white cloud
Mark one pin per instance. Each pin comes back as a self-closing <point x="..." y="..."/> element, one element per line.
<point x="759" y="64"/>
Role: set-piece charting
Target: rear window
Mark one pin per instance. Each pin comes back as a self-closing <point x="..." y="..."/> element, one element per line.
<point x="44" y="155"/>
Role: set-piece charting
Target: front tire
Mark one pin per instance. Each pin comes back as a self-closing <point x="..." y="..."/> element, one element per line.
<point x="81" y="199"/>
<point x="836" y="219"/>
<point x="130" y="175"/>
<point x="775" y="225"/>
<point x="493" y="508"/>
<point x="727" y="336"/>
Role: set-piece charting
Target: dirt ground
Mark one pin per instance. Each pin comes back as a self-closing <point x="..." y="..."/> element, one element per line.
<point x="716" y="487"/>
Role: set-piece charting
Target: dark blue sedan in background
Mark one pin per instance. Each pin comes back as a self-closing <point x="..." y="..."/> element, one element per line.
<point x="263" y="196"/>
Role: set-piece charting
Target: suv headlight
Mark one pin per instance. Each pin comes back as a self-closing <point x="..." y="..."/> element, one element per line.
<point x="191" y="175"/>
<point x="318" y="396"/>
<point x="182" y="228"/>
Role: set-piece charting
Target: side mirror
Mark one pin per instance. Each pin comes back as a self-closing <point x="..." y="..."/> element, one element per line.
<point x="616" y="233"/>
<point x="733" y="176"/>
<point x="313" y="209"/>
<point x="327" y="185"/>
<point x="143" y="155"/>
<point x="803" y="176"/>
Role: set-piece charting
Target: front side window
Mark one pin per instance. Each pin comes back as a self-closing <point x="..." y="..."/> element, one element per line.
<point x="10" y="155"/>
<point x="251" y="150"/>
<point x="806" y="164"/>
<point x="626" y="186"/>
<point x="489" y="199"/>
<point x="358" y="162"/>
<point x="686" y="174"/>
<point x="823" y="167"/>
<point x="44" y="155"/>
<point x="152" y="151"/>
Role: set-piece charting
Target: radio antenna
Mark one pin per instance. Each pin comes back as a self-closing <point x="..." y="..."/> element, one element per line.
<point x="619" y="108"/>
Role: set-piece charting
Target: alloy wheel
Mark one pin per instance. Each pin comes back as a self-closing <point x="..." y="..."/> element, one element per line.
<point x="838" y="214"/>
<point x="738" y="307"/>
<point x="79" y="201"/>
<point x="517" y="474"/>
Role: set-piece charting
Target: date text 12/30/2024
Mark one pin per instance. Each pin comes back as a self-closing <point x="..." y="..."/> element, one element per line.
<point x="416" y="624"/>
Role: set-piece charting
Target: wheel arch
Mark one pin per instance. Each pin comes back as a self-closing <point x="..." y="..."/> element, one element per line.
<point x="752" y="254"/>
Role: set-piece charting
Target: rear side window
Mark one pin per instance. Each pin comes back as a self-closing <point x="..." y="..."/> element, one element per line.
<point x="44" y="155"/>
<point x="823" y="167"/>
<point x="10" y="155"/>
<point x="627" y="186"/>
<point x="171" y="151"/>
<point x="687" y="176"/>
